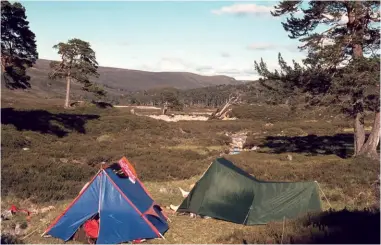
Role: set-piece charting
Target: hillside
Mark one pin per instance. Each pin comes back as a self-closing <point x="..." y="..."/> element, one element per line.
<point x="118" y="81"/>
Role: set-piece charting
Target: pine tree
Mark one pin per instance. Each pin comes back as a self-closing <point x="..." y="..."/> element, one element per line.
<point x="18" y="45"/>
<point x="342" y="39"/>
<point x="77" y="63"/>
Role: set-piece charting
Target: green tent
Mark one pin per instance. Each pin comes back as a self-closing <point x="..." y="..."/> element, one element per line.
<point x="228" y="193"/>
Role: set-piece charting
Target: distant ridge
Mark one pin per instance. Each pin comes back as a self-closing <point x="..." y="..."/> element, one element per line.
<point x="118" y="80"/>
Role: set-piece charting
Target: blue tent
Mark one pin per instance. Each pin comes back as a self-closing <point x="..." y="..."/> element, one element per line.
<point x="126" y="211"/>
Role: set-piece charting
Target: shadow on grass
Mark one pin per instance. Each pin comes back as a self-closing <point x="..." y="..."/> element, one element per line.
<point x="329" y="227"/>
<point x="101" y="104"/>
<point x="344" y="227"/>
<point x="339" y="144"/>
<point x="45" y="122"/>
<point x="10" y="239"/>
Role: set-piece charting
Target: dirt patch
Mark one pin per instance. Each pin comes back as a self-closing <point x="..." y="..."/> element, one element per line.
<point x="177" y="118"/>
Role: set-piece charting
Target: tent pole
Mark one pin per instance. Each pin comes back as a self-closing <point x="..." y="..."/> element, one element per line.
<point x="247" y="215"/>
<point x="324" y="194"/>
<point x="205" y="171"/>
<point x="284" y="221"/>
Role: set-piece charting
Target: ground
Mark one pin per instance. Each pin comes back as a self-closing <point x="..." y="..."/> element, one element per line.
<point x="49" y="153"/>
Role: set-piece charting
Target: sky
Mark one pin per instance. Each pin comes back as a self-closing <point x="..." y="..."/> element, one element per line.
<point x="207" y="38"/>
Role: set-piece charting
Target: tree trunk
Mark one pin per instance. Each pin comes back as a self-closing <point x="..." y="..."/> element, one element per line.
<point x="67" y="92"/>
<point x="370" y="147"/>
<point x="359" y="133"/>
<point x="3" y="63"/>
<point x="165" y="108"/>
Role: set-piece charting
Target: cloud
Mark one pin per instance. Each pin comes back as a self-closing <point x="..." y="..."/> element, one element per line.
<point x="203" y="69"/>
<point x="273" y="46"/>
<point x="249" y="9"/>
<point x="225" y="54"/>
<point x="237" y="73"/>
<point x="243" y="9"/>
<point x="261" y="46"/>
<point x="173" y="64"/>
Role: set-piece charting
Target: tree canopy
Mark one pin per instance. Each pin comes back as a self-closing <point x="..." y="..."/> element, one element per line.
<point x="342" y="40"/>
<point x="78" y="63"/>
<point x="18" y="45"/>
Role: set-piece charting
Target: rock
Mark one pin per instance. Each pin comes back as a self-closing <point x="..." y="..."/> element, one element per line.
<point x="64" y="160"/>
<point x="183" y="193"/>
<point x="46" y="209"/>
<point x="173" y="207"/>
<point x="18" y="230"/>
<point x="6" y="215"/>
<point x="192" y="215"/>
<point x="269" y="124"/>
<point x="104" y="137"/>
<point x="78" y="162"/>
<point x="25" y="149"/>
<point x="254" y="148"/>
<point x="320" y="151"/>
<point x="289" y="157"/>
<point x="163" y="190"/>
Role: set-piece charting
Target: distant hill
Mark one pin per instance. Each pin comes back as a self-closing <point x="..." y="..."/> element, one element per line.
<point x="119" y="81"/>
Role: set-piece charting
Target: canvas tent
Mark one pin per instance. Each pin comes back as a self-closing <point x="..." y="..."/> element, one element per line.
<point x="125" y="209"/>
<point x="228" y="193"/>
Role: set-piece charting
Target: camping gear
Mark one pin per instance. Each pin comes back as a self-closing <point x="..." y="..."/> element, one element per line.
<point x="7" y="214"/>
<point x="126" y="210"/>
<point x="228" y="193"/>
<point x="91" y="227"/>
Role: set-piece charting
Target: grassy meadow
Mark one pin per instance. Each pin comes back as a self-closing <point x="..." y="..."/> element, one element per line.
<point x="48" y="154"/>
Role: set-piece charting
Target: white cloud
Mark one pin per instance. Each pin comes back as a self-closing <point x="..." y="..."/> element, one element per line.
<point x="273" y="46"/>
<point x="248" y="9"/>
<point x="261" y="46"/>
<point x="243" y="9"/>
<point x="172" y="64"/>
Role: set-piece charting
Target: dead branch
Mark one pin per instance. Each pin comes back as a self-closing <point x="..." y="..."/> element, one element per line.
<point x="222" y="112"/>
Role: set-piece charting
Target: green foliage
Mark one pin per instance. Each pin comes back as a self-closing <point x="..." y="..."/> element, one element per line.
<point x="171" y="96"/>
<point x="334" y="73"/>
<point x="95" y="89"/>
<point x="354" y="88"/>
<point x="264" y="113"/>
<point x="357" y="86"/>
<point x="336" y="41"/>
<point x="18" y="45"/>
<point x="78" y="62"/>
<point x="212" y="96"/>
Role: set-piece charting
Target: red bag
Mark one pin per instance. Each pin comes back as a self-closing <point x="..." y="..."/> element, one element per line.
<point x="91" y="228"/>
